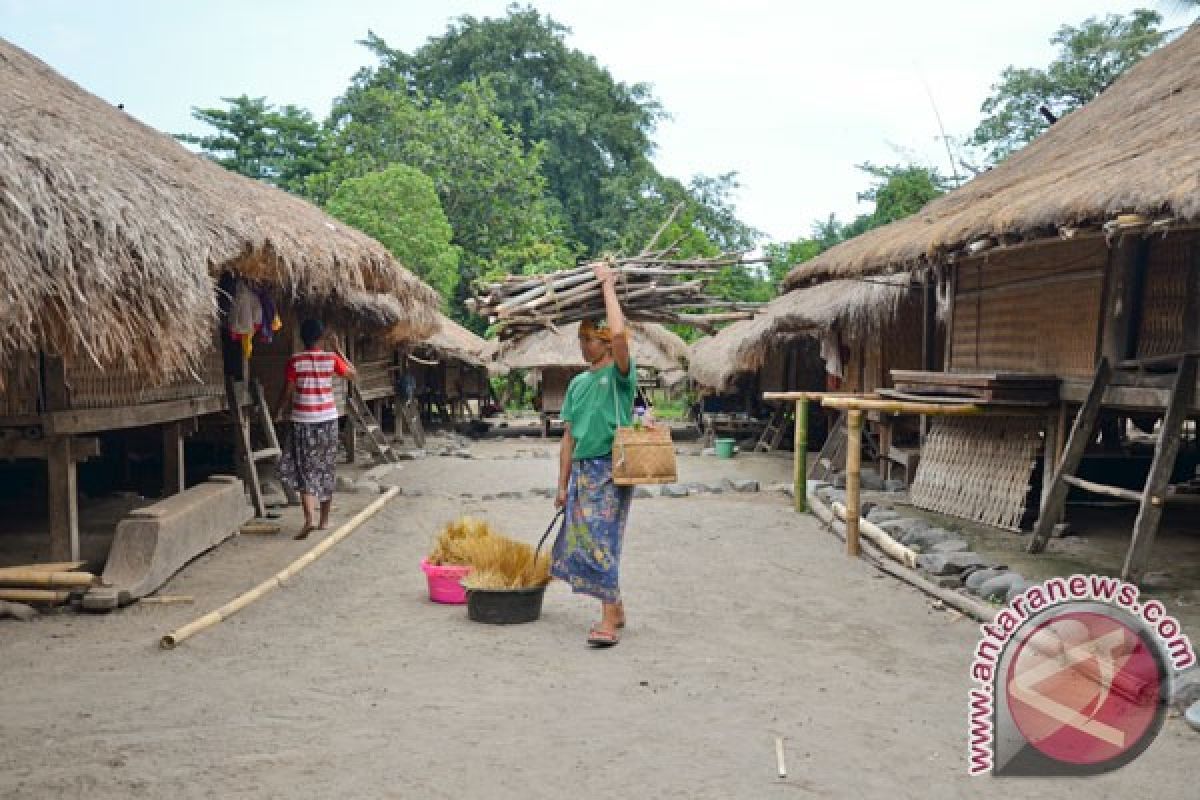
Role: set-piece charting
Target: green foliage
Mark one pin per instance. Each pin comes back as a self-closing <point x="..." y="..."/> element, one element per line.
<point x="1090" y="58"/>
<point x="596" y="131"/>
<point x="400" y="208"/>
<point x="282" y="146"/>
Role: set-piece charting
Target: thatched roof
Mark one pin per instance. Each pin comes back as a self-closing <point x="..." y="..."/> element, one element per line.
<point x="453" y="341"/>
<point x="653" y="346"/>
<point x="857" y="308"/>
<point x="112" y="234"/>
<point x="1131" y="150"/>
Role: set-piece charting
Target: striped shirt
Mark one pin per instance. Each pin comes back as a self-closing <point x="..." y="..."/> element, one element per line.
<point x="312" y="373"/>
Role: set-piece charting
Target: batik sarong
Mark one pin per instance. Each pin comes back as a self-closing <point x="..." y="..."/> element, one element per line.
<point x="587" y="553"/>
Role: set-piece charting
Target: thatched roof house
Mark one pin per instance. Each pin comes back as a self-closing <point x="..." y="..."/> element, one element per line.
<point x="858" y="310"/>
<point x="1131" y="150"/>
<point x="113" y="233"/>
<point x="454" y="342"/>
<point x="653" y="346"/>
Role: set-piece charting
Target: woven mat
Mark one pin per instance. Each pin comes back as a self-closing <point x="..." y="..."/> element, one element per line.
<point x="978" y="468"/>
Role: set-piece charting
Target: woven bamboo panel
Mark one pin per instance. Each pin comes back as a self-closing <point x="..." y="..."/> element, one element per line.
<point x="1048" y="327"/>
<point x="1164" y="293"/>
<point x="978" y="468"/>
<point x="93" y="387"/>
<point x="20" y="389"/>
<point x="374" y="377"/>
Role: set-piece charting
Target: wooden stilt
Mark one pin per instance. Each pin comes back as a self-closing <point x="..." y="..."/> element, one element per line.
<point x="800" y="460"/>
<point x="173" y="459"/>
<point x="63" y="500"/>
<point x="854" y="424"/>
<point x="350" y="439"/>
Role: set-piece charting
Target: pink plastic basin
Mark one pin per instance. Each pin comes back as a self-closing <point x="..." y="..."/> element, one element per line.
<point x="443" y="582"/>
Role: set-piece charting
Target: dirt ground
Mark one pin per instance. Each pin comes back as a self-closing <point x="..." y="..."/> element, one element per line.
<point x="746" y="622"/>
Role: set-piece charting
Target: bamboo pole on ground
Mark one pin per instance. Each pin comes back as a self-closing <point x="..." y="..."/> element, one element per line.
<point x="174" y="638"/>
<point x="854" y="425"/>
<point x="38" y="596"/>
<point x="46" y="580"/>
<point x="48" y="566"/>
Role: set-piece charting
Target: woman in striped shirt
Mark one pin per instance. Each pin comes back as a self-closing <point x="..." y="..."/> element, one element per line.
<point x="307" y="466"/>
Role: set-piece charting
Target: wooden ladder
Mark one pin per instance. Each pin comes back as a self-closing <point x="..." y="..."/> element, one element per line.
<point x="1152" y="499"/>
<point x="364" y="420"/>
<point x="772" y="434"/>
<point x="247" y="457"/>
<point x="833" y="452"/>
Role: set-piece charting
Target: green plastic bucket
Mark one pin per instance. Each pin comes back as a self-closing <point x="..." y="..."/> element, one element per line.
<point x="724" y="448"/>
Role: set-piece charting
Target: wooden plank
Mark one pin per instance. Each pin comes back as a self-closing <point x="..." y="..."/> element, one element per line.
<point x="1154" y="497"/>
<point x="82" y="448"/>
<point x="63" y="499"/>
<point x="111" y="419"/>
<point x="1081" y="434"/>
<point x="980" y="379"/>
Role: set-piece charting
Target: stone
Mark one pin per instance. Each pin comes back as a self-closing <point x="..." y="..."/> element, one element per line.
<point x="927" y="538"/>
<point x="714" y="488"/>
<point x="998" y="586"/>
<point x="981" y="576"/>
<point x="106" y="598"/>
<point x="709" y="451"/>
<point x="698" y="488"/>
<point x="673" y="490"/>
<point x="411" y="455"/>
<point x="898" y="528"/>
<point x="870" y="480"/>
<point x="414" y="492"/>
<point x="742" y="485"/>
<point x="838" y="480"/>
<point x="1192" y="716"/>
<point x="344" y="484"/>
<point x="782" y="488"/>
<point x="1017" y="587"/>
<point x="642" y="491"/>
<point x="949" y="563"/>
<point x="463" y="454"/>
<point x="509" y="495"/>
<point x="894" y="486"/>
<point x="1186" y="690"/>
<point x="367" y="487"/>
<point x="878" y="515"/>
<point x="17" y="611"/>
<point x="950" y="546"/>
<point x="487" y="498"/>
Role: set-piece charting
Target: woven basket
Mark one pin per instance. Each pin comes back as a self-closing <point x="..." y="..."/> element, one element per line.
<point x="643" y="455"/>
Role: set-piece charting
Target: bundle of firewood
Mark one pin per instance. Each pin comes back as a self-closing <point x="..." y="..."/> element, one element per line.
<point x="651" y="288"/>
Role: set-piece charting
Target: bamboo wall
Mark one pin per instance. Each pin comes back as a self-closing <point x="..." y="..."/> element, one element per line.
<point x="20" y="394"/>
<point x="1164" y="292"/>
<point x="1034" y="310"/>
<point x="373" y="359"/>
<point x="89" y="386"/>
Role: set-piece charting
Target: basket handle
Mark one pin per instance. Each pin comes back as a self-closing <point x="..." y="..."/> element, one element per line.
<point x="537" y="551"/>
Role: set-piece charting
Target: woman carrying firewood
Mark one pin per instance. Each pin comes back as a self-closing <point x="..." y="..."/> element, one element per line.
<point x="587" y="553"/>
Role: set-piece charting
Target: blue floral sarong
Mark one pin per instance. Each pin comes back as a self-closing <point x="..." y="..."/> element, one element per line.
<point x="587" y="552"/>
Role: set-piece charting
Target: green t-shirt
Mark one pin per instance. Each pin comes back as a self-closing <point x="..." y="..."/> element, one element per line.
<point x="591" y="408"/>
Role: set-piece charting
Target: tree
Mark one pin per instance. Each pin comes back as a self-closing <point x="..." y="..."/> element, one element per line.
<point x="596" y="131"/>
<point x="1090" y="58"/>
<point x="399" y="207"/>
<point x="282" y="146"/>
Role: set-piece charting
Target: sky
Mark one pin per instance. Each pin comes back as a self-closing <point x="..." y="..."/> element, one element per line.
<point x="790" y="94"/>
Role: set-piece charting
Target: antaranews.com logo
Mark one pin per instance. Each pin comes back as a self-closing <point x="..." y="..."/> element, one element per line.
<point x="1074" y="679"/>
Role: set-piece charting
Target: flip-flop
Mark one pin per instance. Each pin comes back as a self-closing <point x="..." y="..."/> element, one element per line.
<point x="304" y="532"/>
<point x="599" y="638"/>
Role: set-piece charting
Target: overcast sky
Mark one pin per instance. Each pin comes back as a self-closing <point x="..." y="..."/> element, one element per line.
<point x="791" y="95"/>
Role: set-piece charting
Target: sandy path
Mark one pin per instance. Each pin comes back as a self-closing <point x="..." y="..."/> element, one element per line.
<point x="746" y="623"/>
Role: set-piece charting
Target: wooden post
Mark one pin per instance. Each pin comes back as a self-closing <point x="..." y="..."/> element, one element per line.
<point x="63" y="500"/>
<point x="854" y="423"/>
<point x="173" y="458"/>
<point x="800" y="460"/>
<point x="1123" y="298"/>
<point x="1050" y="454"/>
<point x="350" y="439"/>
